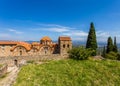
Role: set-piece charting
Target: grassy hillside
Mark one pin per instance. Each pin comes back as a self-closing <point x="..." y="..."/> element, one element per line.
<point x="71" y="73"/>
<point x="0" y="66"/>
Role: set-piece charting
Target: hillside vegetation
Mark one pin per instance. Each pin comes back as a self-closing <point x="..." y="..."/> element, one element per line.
<point x="0" y="65"/>
<point x="70" y="73"/>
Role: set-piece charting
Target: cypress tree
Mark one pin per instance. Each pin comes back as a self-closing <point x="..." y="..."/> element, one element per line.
<point x="115" y="48"/>
<point x="91" y="40"/>
<point x="109" y="45"/>
<point x="104" y="51"/>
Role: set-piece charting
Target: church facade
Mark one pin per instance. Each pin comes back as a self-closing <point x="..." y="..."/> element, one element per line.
<point x="45" y="47"/>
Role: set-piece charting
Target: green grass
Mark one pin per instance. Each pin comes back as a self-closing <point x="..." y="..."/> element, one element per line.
<point x="3" y="76"/>
<point x="1" y="65"/>
<point x="71" y="73"/>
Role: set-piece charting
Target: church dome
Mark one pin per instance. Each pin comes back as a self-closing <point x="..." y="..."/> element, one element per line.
<point x="46" y="38"/>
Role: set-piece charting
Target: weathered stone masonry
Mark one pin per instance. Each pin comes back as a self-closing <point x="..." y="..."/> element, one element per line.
<point x="44" y="47"/>
<point x="3" y="69"/>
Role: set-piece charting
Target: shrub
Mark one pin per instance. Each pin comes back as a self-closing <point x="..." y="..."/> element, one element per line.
<point x="109" y="45"/>
<point x="118" y="56"/>
<point x="1" y="65"/>
<point x="80" y="53"/>
<point x="112" y="55"/>
<point x="31" y="61"/>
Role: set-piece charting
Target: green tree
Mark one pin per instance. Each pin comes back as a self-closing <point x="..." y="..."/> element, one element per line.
<point x="104" y="52"/>
<point x="80" y="53"/>
<point x="112" y="55"/>
<point x="115" y="48"/>
<point x="91" y="40"/>
<point x="109" y="45"/>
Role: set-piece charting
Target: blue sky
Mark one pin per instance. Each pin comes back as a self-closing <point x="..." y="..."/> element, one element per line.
<point x="33" y="19"/>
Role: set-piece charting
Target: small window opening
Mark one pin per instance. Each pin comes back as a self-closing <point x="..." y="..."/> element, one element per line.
<point x="64" y="46"/>
<point x="68" y="46"/>
<point x="20" y="53"/>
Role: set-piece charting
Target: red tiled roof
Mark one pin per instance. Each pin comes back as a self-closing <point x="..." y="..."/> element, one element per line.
<point x="24" y="44"/>
<point x="46" y="38"/>
<point x="65" y="38"/>
<point x="17" y="43"/>
<point x="35" y="43"/>
<point x="8" y="43"/>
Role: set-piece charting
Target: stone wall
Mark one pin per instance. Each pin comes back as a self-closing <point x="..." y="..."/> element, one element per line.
<point x="5" y="50"/>
<point x="18" y="51"/>
<point x="65" y="46"/>
<point x="3" y="70"/>
<point x="11" y="61"/>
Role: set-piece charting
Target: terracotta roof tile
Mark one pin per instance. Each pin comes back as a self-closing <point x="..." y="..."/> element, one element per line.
<point x="25" y="44"/>
<point x="46" y="38"/>
<point x="17" y="43"/>
<point x="8" y="42"/>
<point x="35" y="43"/>
<point x="65" y="38"/>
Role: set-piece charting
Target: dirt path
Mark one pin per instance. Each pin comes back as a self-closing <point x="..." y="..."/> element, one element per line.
<point x="10" y="78"/>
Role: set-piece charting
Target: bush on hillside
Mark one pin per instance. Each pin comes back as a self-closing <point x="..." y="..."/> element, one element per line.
<point x="112" y="55"/>
<point x="118" y="56"/>
<point x="80" y="53"/>
<point x="31" y="61"/>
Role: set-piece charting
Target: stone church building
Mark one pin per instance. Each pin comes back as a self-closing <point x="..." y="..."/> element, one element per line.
<point x="45" y="47"/>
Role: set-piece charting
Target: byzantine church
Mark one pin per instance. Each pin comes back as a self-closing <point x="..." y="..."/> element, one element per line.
<point x="44" y="47"/>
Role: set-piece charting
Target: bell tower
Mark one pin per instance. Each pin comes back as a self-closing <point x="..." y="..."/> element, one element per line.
<point x="65" y="44"/>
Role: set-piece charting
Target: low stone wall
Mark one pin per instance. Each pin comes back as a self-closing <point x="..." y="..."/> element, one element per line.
<point x="10" y="61"/>
<point x="3" y="70"/>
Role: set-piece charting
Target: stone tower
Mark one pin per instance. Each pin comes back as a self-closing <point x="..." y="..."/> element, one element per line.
<point x="65" y="44"/>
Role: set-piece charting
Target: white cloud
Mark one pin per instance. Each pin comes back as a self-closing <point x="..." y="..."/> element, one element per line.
<point x="102" y="34"/>
<point x="53" y="28"/>
<point x="15" y="31"/>
<point x="50" y="25"/>
<point x="4" y="35"/>
<point x="58" y="29"/>
<point x="76" y="33"/>
<point x="69" y="31"/>
<point x="82" y="39"/>
<point x="80" y="33"/>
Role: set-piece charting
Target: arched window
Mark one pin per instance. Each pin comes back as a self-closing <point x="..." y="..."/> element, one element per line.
<point x="64" y="46"/>
<point x="15" y="62"/>
<point x="45" y="49"/>
<point x="68" y="46"/>
<point x="20" y="53"/>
